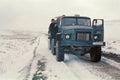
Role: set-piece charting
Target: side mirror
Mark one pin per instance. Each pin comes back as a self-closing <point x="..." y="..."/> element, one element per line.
<point x="97" y="22"/>
<point x="58" y="36"/>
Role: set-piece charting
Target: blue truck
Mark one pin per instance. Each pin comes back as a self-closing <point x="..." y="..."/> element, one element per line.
<point x="80" y="35"/>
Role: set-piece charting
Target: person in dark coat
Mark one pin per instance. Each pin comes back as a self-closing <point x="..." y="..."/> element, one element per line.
<point x="53" y="29"/>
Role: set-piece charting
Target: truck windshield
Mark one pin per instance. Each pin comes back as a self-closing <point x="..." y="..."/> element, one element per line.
<point x="71" y="21"/>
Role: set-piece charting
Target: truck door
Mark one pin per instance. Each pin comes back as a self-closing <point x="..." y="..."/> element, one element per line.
<point x="98" y="29"/>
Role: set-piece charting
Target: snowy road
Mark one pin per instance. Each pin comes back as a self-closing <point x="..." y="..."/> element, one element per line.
<point x="77" y="67"/>
<point x="25" y="56"/>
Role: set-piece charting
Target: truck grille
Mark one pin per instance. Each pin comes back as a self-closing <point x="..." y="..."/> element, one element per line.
<point x="81" y="36"/>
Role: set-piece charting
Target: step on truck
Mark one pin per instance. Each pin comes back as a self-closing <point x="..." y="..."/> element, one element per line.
<point x="78" y="34"/>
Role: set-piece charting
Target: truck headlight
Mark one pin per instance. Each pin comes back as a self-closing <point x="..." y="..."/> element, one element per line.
<point x="67" y="36"/>
<point x="95" y="37"/>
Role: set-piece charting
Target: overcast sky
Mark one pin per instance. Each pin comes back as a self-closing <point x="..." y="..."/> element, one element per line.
<point x="36" y="14"/>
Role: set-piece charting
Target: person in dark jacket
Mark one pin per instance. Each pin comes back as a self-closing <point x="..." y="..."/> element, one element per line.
<point x="53" y="29"/>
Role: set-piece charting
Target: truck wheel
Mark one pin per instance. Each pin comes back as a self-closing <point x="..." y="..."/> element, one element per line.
<point x="53" y="47"/>
<point x="95" y="54"/>
<point x="59" y="52"/>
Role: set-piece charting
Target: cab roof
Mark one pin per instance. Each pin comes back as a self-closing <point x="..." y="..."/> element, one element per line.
<point x="76" y="16"/>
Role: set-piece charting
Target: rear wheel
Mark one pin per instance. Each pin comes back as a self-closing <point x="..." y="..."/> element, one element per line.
<point x="95" y="54"/>
<point x="59" y="52"/>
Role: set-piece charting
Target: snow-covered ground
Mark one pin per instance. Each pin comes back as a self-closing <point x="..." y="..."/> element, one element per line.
<point x="16" y="53"/>
<point x="112" y="46"/>
<point x="112" y="39"/>
<point x="24" y="55"/>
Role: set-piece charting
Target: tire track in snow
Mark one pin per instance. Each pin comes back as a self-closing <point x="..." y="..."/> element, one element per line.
<point x="78" y="68"/>
<point x="40" y="64"/>
<point x="29" y="66"/>
<point x="34" y="51"/>
<point x="102" y="70"/>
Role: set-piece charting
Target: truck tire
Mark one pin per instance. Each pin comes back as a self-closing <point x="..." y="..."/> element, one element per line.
<point x="95" y="54"/>
<point x="59" y="52"/>
<point x="53" y="47"/>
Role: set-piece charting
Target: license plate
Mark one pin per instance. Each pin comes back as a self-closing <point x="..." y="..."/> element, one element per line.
<point x="97" y="43"/>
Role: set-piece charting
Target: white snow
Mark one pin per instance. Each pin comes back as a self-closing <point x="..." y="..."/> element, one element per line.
<point x="20" y="52"/>
<point x="112" y="39"/>
<point x="77" y="67"/>
<point x="112" y="46"/>
<point x="16" y="52"/>
<point x="19" y="56"/>
<point x="54" y="69"/>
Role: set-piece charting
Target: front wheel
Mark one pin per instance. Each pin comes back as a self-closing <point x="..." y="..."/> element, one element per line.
<point x="95" y="54"/>
<point x="59" y="52"/>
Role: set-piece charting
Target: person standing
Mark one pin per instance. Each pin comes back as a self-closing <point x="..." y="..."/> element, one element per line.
<point x="53" y="29"/>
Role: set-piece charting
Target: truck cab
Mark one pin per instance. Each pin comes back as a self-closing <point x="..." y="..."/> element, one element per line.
<point x="78" y="34"/>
